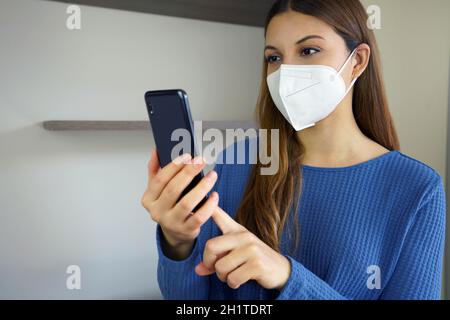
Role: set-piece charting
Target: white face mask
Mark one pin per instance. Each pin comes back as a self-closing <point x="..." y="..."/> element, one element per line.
<point x="306" y="94"/>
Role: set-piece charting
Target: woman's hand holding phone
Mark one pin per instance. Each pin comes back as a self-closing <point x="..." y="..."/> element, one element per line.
<point x="162" y="200"/>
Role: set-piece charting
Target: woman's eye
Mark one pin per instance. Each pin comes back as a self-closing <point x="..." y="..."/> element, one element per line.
<point x="272" y="59"/>
<point x="309" y="51"/>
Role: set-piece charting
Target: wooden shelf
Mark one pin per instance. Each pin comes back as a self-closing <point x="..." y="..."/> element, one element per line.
<point x="95" y="125"/>
<point x="244" y="12"/>
<point x="66" y="125"/>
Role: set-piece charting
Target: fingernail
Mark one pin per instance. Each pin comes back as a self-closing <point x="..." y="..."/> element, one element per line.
<point x="183" y="159"/>
<point x="212" y="175"/>
<point x="198" y="161"/>
<point x="215" y="196"/>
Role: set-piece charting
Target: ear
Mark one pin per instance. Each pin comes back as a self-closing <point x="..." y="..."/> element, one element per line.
<point x="361" y="60"/>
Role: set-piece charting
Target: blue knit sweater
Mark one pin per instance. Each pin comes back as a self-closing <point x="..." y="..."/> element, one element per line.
<point x="374" y="230"/>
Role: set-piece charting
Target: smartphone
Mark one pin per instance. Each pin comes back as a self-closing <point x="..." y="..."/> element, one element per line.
<point x="168" y="110"/>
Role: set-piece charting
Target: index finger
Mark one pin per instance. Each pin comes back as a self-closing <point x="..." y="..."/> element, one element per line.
<point x="226" y="223"/>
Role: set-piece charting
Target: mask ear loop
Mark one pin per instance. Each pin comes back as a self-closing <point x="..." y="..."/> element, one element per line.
<point x="343" y="67"/>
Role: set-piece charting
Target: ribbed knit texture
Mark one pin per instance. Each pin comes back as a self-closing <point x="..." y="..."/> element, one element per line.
<point x="387" y="212"/>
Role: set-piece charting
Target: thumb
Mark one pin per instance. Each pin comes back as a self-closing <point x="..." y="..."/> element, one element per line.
<point x="226" y="223"/>
<point x="203" y="270"/>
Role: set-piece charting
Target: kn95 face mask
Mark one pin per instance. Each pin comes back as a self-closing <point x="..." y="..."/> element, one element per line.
<point x="307" y="94"/>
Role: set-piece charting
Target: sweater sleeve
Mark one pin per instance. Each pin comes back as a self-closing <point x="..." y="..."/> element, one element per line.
<point x="418" y="271"/>
<point x="305" y="285"/>
<point x="177" y="279"/>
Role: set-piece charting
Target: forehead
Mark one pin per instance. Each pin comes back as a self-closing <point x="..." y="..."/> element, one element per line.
<point x="291" y="26"/>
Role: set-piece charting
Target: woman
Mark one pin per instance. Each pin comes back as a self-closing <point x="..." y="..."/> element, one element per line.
<point x="346" y="216"/>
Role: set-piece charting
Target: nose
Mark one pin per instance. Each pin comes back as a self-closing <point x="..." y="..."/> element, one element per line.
<point x="289" y="60"/>
<point x="292" y="57"/>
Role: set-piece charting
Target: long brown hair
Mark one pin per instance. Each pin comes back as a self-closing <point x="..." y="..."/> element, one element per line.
<point x="270" y="200"/>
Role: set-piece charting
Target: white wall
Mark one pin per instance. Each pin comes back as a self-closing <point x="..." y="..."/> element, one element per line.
<point x="74" y="197"/>
<point x="415" y="48"/>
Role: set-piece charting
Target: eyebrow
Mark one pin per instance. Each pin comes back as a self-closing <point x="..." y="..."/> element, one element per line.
<point x="269" y="47"/>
